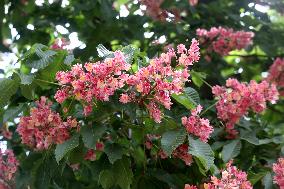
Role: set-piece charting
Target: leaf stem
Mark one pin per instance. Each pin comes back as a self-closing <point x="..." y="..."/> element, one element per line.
<point x="211" y="106"/>
<point x="48" y="82"/>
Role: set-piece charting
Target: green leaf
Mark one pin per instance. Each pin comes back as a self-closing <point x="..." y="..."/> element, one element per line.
<point x="172" y="139"/>
<point x="28" y="91"/>
<point x="26" y="79"/>
<point x="69" y="59"/>
<point x="267" y="181"/>
<point x="113" y="152"/>
<point x="103" y="52"/>
<point x="255" y="177"/>
<point x="119" y="174"/>
<point x="106" y="179"/>
<point x="13" y="112"/>
<point x="198" y="77"/>
<point x="231" y="150"/>
<point x="46" y="57"/>
<point x="8" y="87"/>
<point x="62" y="149"/>
<point x="90" y="135"/>
<point x="249" y="136"/>
<point x="189" y="99"/>
<point x="202" y="151"/>
<point x="123" y="173"/>
<point x="129" y="52"/>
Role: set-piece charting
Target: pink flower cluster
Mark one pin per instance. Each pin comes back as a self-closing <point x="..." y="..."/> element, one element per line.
<point x="155" y="11"/>
<point x="231" y="178"/>
<point x="150" y="86"/>
<point x="153" y="85"/>
<point x="8" y="165"/>
<point x="278" y="168"/>
<point x="236" y="99"/>
<point x="222" y="40"/>
<point x="197" y="126"/>
<point x="276" y="74"/>
<point x="44" y="127"/>
<point x="98" y="81"/>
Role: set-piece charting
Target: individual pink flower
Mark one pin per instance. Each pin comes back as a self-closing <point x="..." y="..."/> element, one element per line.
<point x="187" y="186"/>
<point x="237" y="98"/>
<point x="197" y="126"/>
<point x="278" y="169"/>
<point x="276" y="74"/>
<point x="8" y="165"/>
<point x="6" y="134"/>
<point x="90" y="155"/>
<point x="156" y="12"/>
<point x="44" y="127"/>
<point x="60" y="43"/>
<point x="162" y="154"/>
<point x="124" y="98"/>
<point x="100" y="146"/>
<point x="222" y="40"/>
<point x="193" y="2"/>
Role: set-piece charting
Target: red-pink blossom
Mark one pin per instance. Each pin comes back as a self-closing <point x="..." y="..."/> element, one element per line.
<point x="237" y="98"/>
<point x="197" y="126"/>
<point x="193" y="2"/>
<point x="8" y="165"/>
<point x="156" y="12"/>
<point x="90" y="155"/>
<point x="181" y="152"/>
<point x="187" y="186"/>
<point x="276" y="74"/>
<point x="98" y="81"/>
<point x="44" y="127"/>
<point x="278" y="168"/>
<point x="151" y="86"/>
<point x="6" y="134"/>
<point x="60" y="43"/>
<point x="100" y="146"/>
<point x="222" y="40"/>
<point x="231" y="178"/>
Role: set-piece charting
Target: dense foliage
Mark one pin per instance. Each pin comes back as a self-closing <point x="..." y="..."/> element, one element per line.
<point x="156" y="94"/>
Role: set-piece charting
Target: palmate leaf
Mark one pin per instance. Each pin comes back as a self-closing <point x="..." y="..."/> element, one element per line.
<point x="231" y="150"/>
<point x="172" y="139"/>
<point x="202" y="151"/>
<point x="189" y="98"/>
<point x="8" y="87"/>
<point x="62" y="149"/>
